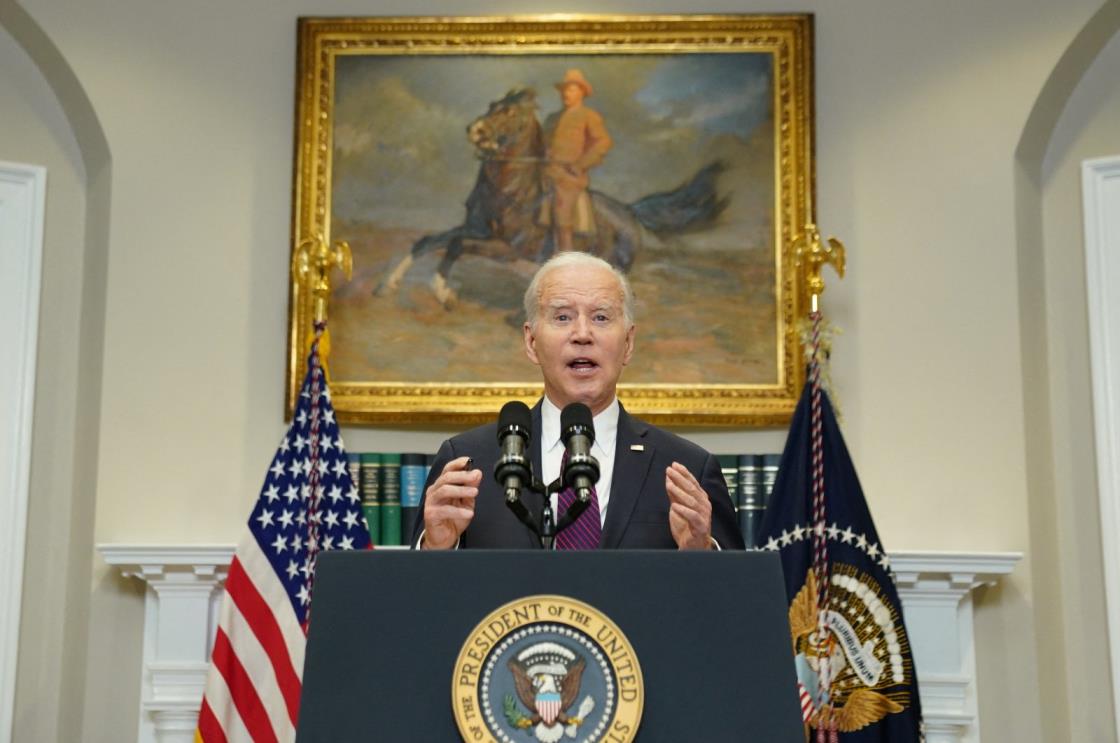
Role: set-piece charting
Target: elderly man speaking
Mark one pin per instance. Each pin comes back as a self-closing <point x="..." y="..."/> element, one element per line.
<point x="655" y="490"/>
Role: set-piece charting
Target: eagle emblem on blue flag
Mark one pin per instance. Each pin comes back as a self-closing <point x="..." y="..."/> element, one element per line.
<point x="861" y="652"/>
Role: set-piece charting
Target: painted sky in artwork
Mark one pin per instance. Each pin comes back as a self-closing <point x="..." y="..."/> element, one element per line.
<point x="401" y="154"/>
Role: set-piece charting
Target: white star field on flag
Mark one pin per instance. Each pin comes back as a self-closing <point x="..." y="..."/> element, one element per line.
<point x="872" y="550"/>
<point x="280" y="520"/>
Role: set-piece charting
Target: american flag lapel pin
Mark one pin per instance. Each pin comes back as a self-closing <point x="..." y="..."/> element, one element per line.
<point x="637" y="447"/>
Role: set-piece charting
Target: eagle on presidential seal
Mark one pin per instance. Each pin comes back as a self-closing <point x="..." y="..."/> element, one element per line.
<point x="547" y="678"/>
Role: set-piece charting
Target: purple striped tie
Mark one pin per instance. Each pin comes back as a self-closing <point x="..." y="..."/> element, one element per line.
<point x="584" y="532"/>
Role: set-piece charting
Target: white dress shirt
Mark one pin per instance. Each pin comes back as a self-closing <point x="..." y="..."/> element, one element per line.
<point x="552" y="451"/>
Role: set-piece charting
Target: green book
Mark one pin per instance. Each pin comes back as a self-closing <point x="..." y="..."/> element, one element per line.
<point x="369" y="488"/>
<point x="390" y="499"/>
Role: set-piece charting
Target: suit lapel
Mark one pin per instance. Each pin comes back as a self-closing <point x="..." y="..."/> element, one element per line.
<point x="533" y="501"/>
<point x="631" y="468"/>
<point x="535" y="445"/>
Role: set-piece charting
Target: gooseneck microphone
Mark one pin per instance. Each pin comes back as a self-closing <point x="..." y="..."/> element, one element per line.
<point x="577" y="431"/>
<point x="513" y="470"/>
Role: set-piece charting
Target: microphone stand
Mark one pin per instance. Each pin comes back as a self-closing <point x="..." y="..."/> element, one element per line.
<point x="547" y="528"/>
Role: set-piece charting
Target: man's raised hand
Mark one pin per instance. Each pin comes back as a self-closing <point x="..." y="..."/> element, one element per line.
<point x="449" y="504"/>
<point x="690" y="510"/>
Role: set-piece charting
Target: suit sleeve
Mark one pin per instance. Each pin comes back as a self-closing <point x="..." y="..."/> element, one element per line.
<point x="725" y="524"/>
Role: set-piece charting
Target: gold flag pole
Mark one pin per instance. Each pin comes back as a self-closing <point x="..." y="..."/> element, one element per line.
<point x="312" y="263"/>
<point x="811" y="253"/>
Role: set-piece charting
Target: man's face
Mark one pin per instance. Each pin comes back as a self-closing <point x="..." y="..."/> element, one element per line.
<point x="571" y="94"/>
<point x="581" y="339"/>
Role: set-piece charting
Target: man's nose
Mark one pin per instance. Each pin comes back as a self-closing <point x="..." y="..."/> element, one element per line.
<point x="581" y="330"/>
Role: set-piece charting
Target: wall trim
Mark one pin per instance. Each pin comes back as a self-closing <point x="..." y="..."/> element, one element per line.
<point x="22" y="211"/>
<point x="1100" y="182"/>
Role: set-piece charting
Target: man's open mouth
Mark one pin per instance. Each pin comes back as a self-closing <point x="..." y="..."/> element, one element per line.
<point x="580" y="364"/>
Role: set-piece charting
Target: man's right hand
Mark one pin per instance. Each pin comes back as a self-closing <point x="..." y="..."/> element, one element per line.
<point x="449" y="504"/>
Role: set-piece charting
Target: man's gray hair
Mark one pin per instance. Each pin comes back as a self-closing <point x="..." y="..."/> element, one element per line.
<point x="575" y="258"/>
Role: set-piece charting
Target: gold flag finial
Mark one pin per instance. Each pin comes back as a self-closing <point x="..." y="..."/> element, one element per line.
<point x="811" y="253"/>
<point x="312" y="262"/>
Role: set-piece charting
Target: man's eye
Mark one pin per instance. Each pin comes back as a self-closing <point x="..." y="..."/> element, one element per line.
<point x="562" y="317"/>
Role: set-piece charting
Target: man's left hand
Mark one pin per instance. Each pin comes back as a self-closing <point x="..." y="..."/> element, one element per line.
<point x="690" y="510"/>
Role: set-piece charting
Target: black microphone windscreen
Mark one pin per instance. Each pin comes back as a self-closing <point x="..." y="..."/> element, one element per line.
<point x="574" y="418"/>
<point x="515" y="413"/>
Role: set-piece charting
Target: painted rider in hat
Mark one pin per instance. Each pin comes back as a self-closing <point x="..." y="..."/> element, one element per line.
<point x="577" y="140"/>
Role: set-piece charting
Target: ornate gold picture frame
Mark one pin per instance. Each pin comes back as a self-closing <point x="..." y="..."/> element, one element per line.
<point x="418" y="138"/>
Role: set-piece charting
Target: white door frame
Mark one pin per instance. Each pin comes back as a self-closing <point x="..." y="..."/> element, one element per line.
<point x="1100" y="181"/>
<point x="22" y="211"/>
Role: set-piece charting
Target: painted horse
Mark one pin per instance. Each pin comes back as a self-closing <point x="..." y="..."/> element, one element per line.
<point x="503" y="219"/>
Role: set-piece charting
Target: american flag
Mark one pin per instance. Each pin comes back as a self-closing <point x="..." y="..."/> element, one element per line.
<point x="308" y="503"/>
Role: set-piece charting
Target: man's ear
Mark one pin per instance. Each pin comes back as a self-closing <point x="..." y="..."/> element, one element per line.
<point x="629" y="345"/>
<point x="530" y="344"/>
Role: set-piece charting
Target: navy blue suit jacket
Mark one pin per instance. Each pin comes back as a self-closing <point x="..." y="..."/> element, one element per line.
<point x="638" y="510"/>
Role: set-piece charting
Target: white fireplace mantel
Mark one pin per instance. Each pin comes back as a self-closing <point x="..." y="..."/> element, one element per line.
<point x="936" y="592"/>
<point x="184" y="594"/>
<point x="180" y="620"/>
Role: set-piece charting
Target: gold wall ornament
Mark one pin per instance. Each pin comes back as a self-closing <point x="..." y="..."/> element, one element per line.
<point x="397" y="118"/>
<point x="811" y="254"/>
<point x="312" y="262"/>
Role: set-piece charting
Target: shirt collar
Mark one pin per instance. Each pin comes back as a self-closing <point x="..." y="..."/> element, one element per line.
<point x="605" y="423"/>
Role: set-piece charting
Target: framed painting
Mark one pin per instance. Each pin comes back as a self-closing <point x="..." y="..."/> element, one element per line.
<point x="431" y="146"/>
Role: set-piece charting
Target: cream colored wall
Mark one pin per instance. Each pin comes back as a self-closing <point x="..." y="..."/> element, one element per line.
<point x="920" y="107"/>
<point x="1088" y="128"/>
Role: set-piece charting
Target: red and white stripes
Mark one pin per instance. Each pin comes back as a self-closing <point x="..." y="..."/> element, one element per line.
<point x="258" y="655"/>
<point x="806" y="702"/>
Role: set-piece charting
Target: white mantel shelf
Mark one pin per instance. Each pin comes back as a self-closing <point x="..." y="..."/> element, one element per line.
<point x="184" y="593"/>
<point x="975" y="568"/>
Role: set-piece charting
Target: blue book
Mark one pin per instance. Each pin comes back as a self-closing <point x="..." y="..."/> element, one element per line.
<point x="414" y="472"/>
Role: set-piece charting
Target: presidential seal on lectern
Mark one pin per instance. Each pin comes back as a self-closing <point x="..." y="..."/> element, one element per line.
<point x="547" y="668"/>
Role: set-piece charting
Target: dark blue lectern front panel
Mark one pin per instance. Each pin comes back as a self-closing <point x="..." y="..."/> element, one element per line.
<point x="710" y="631"/>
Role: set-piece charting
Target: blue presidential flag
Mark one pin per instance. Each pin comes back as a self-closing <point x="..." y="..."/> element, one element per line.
<point x="854" y="667"/>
